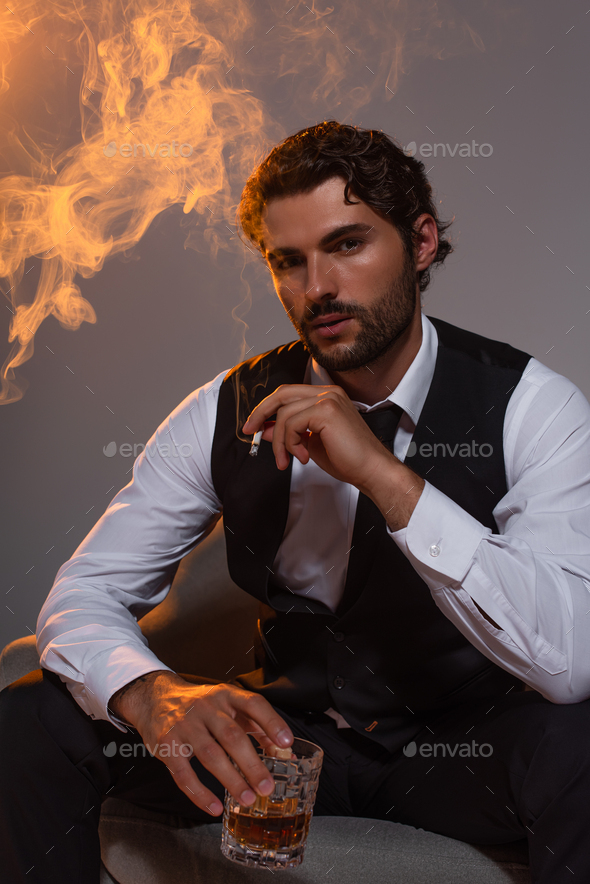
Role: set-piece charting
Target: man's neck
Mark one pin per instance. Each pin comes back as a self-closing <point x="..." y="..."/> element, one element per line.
<point x="373" y="383"/>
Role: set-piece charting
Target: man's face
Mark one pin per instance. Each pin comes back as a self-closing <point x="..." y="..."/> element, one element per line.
<point x="342" y="274"/>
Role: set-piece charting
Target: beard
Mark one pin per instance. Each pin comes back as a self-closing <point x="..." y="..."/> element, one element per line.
<point x="381" y="324"/>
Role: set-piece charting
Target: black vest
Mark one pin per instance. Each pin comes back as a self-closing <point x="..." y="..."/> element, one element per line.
<point x="388" y="654"/>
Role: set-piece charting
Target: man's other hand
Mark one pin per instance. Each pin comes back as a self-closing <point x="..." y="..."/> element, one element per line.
<point x="213" y="720"/>
<point x="321" y="423"/>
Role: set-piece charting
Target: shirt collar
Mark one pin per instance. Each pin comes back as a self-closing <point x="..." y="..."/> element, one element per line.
<point x="410" y="394"/>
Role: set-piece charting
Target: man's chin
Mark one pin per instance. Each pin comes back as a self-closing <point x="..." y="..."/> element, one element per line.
<point x="334" y="354"/>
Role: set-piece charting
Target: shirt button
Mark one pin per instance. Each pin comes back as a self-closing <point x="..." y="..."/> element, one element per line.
<point x="434" y="550"/>
<point x="338" y="636"/>
<point x="338" y="682"/>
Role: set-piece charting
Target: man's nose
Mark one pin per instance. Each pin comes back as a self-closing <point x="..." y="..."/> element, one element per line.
<point x="321" y="282"/>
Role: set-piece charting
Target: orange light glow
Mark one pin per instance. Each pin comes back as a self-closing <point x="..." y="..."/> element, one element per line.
<point x="169" y="113"/>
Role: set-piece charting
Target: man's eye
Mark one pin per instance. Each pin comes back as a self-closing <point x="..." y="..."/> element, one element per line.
<point x="290" y="261"/>
<point x="347" y="245"/>
<point x="287" y="263"/>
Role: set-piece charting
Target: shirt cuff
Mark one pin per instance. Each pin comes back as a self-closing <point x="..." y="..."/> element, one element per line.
<point x="109" y="672"/>
<point x="441" y="538"/>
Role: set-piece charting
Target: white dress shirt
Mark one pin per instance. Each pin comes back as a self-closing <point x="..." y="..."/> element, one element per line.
<point x="532" y="578"/>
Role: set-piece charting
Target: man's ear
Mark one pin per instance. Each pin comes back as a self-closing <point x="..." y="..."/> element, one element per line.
<point x="425" y="242"/>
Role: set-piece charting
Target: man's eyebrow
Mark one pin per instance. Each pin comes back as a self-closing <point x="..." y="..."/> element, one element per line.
<point x="344" y="230"/>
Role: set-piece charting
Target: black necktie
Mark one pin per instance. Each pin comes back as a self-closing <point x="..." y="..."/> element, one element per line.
<point x="369" y="523"/>
<point x="384" y="423"/>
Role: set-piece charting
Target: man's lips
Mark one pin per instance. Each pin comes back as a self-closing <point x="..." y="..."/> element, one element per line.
<point x="331" y="325"/>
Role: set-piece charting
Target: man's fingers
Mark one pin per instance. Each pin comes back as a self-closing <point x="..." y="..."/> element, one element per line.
<point x="230" y="735"/>
<point x="255" y="731"/>
<point x="276" y="435"/>
<point x="282" y="396"/>
<point x="296" y="422"/>
<point x="212" y="756"/>
<point x="265" y="409"/>
<point x="217" y="733"/>
<point x="297" y="414"/>
<point x="256" y="709"/>
<point x="189" y="783"/>
<point x="227" y="738"/>
<point x="268" y="430"/>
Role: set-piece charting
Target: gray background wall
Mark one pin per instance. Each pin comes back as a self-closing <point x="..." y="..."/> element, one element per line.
<point x="165" y="321"/>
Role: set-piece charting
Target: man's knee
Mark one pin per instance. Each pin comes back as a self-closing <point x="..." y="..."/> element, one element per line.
<point x="569" y="728"/>
<point x="37" y="701"/>
<point x="20" y="703"/>
<point x="557" y="736"/>
<point x="21" y="698"/>
<point x="558" y="719"/>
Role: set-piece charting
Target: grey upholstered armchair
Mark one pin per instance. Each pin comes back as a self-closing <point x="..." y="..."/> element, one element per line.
<point x="206" y="627"/>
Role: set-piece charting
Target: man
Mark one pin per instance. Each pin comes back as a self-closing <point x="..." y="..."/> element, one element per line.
<point x="413" y="526"/>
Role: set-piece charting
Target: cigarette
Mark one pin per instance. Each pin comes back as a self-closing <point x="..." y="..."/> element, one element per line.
<point x="256" y="443"/>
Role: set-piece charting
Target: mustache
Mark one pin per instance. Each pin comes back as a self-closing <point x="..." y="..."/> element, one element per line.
<point x="334" y="307"/>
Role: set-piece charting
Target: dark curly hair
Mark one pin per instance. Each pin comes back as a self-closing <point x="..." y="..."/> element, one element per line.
<point x="376" y="170"/>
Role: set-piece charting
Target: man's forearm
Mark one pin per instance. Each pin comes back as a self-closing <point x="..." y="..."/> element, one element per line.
<point x="395" y="491"/>
<point x="125" y="702"/>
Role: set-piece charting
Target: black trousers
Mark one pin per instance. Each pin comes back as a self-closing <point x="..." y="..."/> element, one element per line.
<point x="486" y="773"/>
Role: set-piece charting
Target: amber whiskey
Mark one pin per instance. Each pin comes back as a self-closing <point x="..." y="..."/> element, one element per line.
<point x="280" y="827"/>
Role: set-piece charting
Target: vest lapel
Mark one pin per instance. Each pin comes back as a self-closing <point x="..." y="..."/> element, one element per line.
<point x="253" y="541"/>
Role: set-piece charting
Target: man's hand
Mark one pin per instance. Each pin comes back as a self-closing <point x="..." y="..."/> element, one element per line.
<point x="213" y="720"/>
<point x="321" y="423"/>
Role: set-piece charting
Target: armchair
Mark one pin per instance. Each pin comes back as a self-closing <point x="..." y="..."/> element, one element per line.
<point x="205" y="626"/>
